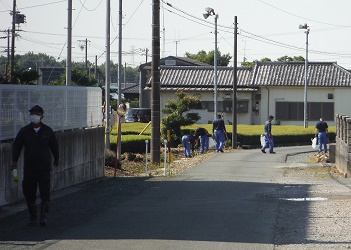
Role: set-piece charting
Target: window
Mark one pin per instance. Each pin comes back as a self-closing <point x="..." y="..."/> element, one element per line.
<point x="226" y="106"/>
<point x="242" y="106"/>
<point x="294" y="111"/>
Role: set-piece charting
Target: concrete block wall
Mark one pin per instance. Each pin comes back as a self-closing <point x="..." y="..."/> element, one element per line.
<point x="82" y="158"/>
<point x="343" y="144"/>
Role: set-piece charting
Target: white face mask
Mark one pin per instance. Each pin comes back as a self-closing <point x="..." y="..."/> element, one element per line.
<point x="35" y="118"/>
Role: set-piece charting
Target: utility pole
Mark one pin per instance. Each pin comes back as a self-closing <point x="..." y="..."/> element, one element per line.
<point x="86" y="52"/>
<point x="8" y="55"/>
<point x="95" y="68"/>
<point x="69" y="45"/>
<point x="176" y="42"/>
<point x="120" y="17"/>
<point x="155" y="90"/>
<point x="235" y="84"/>
<point x="13" y="34"/>
<point x="86" y="56"/>
<point x="125" y="77"/>
<point x="107" y="76"/>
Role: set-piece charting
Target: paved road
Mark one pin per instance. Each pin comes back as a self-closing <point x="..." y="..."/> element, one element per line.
<point x="234" y="200"/>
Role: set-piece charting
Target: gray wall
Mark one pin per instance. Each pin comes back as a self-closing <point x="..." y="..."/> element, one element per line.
<point x="82" y="158"/>
<point x="343" y="144"/>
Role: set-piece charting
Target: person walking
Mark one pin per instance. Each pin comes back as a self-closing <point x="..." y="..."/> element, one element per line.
<point x="202" y="134"/>
<point x="322" y="133"/>
<point x="187" y="142"/>
<point x="269" y="142"/>
<point x="39" y="143"/>
<point x="218" y="132"/>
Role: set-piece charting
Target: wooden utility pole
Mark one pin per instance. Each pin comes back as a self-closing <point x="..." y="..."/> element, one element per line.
<point x="155" y="90"/>
<point x="13" y="37"/>
<point x="8" y="56"/>
<point x="69" y="45"/>
<point x="235" y="84"/>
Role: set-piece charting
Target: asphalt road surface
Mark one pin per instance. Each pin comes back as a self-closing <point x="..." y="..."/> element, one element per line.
<point x="233" y="200"/>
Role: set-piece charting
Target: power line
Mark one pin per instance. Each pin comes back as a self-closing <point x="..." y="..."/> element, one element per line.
<point x="251" y="35"/>
<point x="83" y="5"/>
<point x="35" y="6"/>
<point x="289" y="13"/>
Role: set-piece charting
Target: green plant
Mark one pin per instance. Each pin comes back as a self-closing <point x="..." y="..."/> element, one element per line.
<point x="175" y="119"/>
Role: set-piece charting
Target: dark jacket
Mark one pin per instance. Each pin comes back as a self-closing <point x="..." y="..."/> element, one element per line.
<point x="37" y="147"/>
<point x="322" y="126"/>
<point x="218" y="124"/>
<point x="268" y="127"/>
<point x="200" y="132"/>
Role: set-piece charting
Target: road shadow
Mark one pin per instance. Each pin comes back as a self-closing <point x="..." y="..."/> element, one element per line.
<point x="140" y="208"/>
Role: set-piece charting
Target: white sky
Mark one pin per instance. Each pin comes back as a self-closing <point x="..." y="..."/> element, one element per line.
<point x="267" y="28"/>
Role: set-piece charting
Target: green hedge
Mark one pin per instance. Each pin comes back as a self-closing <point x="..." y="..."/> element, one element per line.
<point x="247" y="135"/>
<point x="131" y="143"/>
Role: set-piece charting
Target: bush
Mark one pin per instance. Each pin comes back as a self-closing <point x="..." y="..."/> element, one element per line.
<point x="131" y="143"/>
<point x="110" y="159"/>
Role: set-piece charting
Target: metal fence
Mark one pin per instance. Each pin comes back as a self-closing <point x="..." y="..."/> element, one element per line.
<point x="65" y="107"/>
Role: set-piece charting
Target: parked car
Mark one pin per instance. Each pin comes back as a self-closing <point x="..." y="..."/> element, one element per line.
<point x="138" y="115"/>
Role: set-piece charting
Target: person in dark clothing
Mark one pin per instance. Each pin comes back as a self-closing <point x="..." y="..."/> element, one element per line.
<point x="39" y="143"/>
<point x="188" y="142"/>
<point x="218" y="132"/>
<point x="202" y="134"/>
<point x="268" y="136"/>
<point x="322" y="133"/>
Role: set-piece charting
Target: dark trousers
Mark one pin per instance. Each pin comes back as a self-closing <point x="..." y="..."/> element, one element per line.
<point x="30" y="183"/>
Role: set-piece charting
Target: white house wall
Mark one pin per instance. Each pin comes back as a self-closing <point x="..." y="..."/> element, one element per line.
<point x="295" y="94"/>
<point x="342" y="98"/>
<point x="207" y="117"/>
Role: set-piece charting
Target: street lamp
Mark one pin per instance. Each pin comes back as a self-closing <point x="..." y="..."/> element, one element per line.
<point x="210" y="12"/>
<point x="307" y="31"/>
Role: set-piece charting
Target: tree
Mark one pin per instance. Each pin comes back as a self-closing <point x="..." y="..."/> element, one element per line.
<point x="291" y="59"/>
<point x="175" y="117"/>
<point x="202" y="56"/>
<point x="280" y="59"/>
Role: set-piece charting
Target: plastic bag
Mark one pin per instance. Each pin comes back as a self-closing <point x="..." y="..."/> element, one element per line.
<point x="262" y="140"/>
<point x="314" y="143"/>
<point x="211" y="142"/>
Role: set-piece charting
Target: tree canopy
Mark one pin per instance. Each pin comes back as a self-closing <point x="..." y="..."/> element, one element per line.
<point x="280" y="59"/>
<point x="175" y="117"/>
<point x="203" y="56"/>
<point x="27" y="65"/>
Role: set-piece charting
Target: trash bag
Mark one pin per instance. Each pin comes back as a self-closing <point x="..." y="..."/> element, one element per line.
<point x="262" y="140"/>
<point x="211" y="142"/>
<point x="314" y="143"/>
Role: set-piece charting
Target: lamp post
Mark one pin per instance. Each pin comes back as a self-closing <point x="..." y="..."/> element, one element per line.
<point x="307" y="31"/>
<point x="210" y="12"/>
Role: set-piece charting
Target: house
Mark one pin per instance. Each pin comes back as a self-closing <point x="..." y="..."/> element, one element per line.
<point x="48" y="74"/>
<point x="145" y="74"/>
<point x="281" y="90"/>
<point x="275" y="88"/>
<point x="129" y="91"/>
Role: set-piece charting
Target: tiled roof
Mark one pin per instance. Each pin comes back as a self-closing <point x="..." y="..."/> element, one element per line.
<point x="202" y="77"/>
<point x="133" y="89"/>
<point x="192" y="61"/>
<point x="321" y="74"/>
<point x="179" y="61"/>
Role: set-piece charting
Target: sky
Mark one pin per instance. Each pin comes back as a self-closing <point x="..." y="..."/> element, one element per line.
<point x="266" y="28"/>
